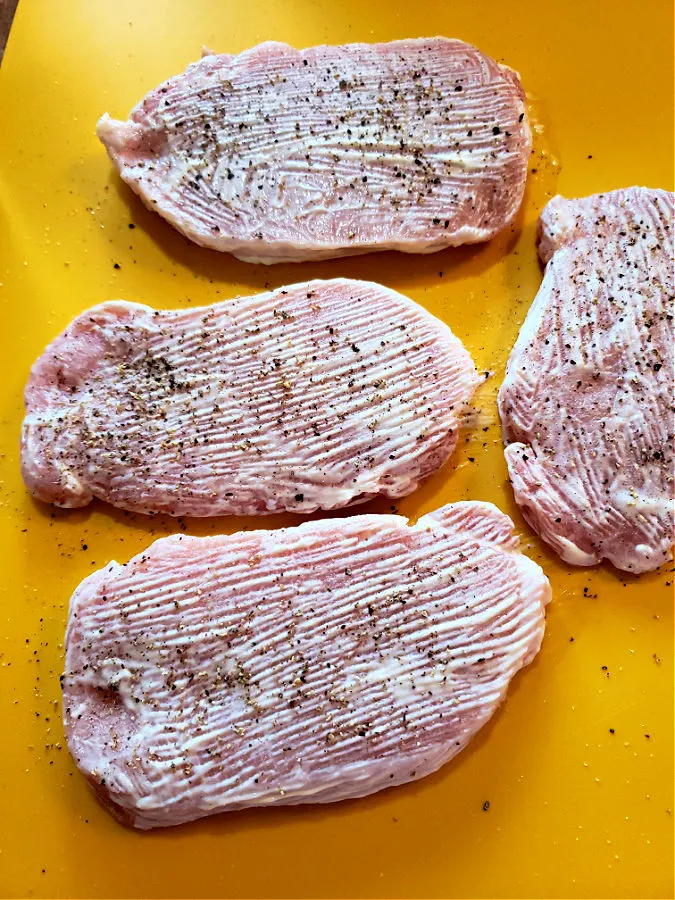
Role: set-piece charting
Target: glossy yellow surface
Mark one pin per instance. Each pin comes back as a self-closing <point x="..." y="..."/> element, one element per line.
<point x="575" y="810"/>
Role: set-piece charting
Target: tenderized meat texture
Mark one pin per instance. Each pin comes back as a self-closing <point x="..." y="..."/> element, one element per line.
<point x="304" y="665"/>
<point x="318" y="395"/>
<point x="283" y="155"/>
<point x="587" y="402"/>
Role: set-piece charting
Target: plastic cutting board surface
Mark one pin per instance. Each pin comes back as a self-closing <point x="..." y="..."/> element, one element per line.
<point x="575" y="809"/>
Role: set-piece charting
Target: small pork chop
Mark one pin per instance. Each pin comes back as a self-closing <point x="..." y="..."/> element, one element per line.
<point x="314" y="396"/>
<point x="304" y="665"/>
<point x="283" y="155"/>
<point x="587" y="402"/>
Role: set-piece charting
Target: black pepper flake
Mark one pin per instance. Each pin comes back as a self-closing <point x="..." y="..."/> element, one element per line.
<point x="116" y="266"/>
<point x="496" y="129"/>
<point x="299" y="498"/>
<point x="486" y="806"/>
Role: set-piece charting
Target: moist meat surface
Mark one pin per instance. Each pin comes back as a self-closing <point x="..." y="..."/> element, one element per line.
<point x="281" y="154"/>
<point x="587" y="402"/>
<point x="314" y="396"/>
<point x="302" y="665"/>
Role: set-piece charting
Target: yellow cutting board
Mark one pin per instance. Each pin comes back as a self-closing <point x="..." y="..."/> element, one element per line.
<point x="578" y="764"/>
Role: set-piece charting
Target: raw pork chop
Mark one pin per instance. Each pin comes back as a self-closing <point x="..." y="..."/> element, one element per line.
<point x="318" y="395"/>
<point x="304" y="665"/>
<point x="587" y="402"/>
<point x="283" y="155"/>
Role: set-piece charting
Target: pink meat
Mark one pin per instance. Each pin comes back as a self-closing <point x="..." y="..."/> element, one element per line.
<point x="283" y="155"/>
<point x="309" y="664"/>
<point x="587" y="402"/>
<point x="314" y="396"/>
